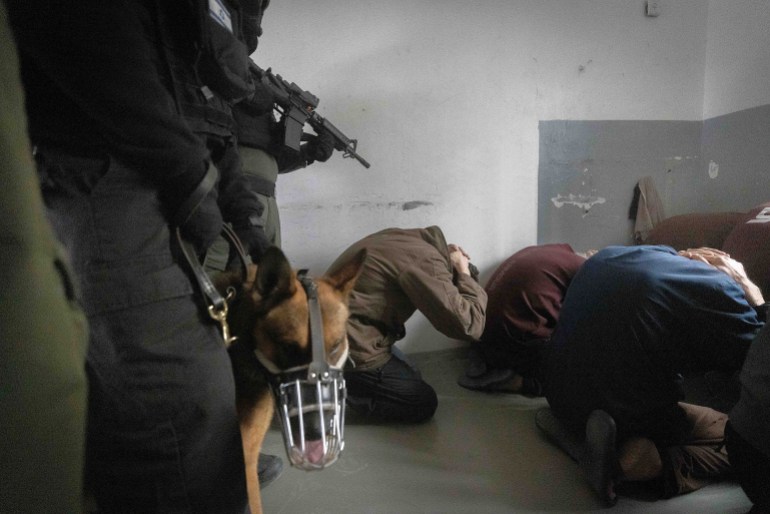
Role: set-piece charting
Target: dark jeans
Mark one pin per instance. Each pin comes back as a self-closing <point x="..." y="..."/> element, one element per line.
<point x="393" y="392"/>
<point x="162" y="432"/>
<point x="751" y="468"/>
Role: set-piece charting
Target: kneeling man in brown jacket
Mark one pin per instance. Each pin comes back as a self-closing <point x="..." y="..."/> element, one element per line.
<point x="405" y="270"/>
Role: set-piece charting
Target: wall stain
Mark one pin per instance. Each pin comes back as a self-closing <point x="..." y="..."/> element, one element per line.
<point x="414" y="204"/>
<point x="403" y="206"/>
<point x="582" y="201"/>
<point x="713" y="170"/>
<point x="583" y="67"/>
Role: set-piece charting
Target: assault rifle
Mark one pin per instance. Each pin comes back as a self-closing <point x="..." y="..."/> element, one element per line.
<point x="297" y="107"/>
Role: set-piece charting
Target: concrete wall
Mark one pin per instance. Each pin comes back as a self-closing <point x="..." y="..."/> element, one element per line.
<point x="735" y="167"/>
<point x="736" y="106"/>
<point x="447" y="97"/>
<point x="737" y="73"/>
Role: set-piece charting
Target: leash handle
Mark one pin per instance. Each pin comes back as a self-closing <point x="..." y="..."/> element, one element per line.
<point x="237" y="245"/>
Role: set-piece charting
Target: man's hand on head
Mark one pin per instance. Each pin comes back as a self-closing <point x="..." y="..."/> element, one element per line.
<point x="734" y="269"/>
<point x="459" y="259"/>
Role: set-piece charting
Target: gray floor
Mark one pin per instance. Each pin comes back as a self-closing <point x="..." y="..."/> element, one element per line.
<point x="482" y="453"/>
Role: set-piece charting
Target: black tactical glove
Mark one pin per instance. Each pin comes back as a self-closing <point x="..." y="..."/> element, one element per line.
<point x="259" y="102"/>
<point x="196" y="212"/>
<point x="317" y="148"/>
<point x="253" y="238"/>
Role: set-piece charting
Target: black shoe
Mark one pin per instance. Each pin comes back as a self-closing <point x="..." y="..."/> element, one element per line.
<point x="599" y="461"/>
<point x="269" y="468"/>
<point x="489" y="381"/>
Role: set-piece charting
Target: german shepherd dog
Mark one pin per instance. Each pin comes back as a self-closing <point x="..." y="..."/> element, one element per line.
<point x="270" y="314"/>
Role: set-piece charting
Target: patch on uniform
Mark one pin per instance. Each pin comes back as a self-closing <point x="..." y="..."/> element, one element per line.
<point x="219" y="12"/>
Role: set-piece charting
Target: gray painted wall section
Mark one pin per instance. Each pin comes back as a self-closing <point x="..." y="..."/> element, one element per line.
<point x="588" y="170"/>
<point x="736" y="160"/>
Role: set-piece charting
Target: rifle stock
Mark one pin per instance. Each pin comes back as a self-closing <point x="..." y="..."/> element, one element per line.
<point x="297" y="107"/>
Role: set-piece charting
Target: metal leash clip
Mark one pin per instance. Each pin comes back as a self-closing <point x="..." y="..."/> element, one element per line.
<point x="219" y="314"/>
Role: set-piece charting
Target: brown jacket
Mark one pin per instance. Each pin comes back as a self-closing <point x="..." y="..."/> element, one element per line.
<point x="408" y="270"/>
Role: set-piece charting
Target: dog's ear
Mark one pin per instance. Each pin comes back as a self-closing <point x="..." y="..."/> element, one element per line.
<point x="344" y="278"/>
<point x="274" y="275"/>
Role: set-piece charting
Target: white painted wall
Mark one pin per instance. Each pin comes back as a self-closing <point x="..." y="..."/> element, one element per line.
<point x="445" y="98"/>
<point x="737" y="73"/>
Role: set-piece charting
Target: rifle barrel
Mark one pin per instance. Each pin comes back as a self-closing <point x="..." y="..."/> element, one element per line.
<point x="352" y="153"/>
<point x="297" y="105"/>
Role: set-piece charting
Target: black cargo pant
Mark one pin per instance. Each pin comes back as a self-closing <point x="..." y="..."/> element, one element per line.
<point x="392" y="392"/>
<point x="162" y="432"/>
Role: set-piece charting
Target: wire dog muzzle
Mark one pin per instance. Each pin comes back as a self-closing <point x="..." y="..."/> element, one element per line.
<point x="310" y="399"/>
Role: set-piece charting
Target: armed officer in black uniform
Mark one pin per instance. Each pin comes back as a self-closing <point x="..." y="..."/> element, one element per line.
<point x="123" y="164"/>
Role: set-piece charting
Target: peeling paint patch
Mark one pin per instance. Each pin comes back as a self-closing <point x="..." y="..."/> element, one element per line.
<point x="408" y="206"/>
<point x="713" y="169"/>
<point x="581" y="201"/>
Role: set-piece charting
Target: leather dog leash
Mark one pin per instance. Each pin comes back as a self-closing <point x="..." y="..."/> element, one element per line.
<point x="216" y="303"/>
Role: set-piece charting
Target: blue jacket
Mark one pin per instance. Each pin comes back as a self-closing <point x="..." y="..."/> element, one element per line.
<point x="634" y="319"/>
